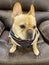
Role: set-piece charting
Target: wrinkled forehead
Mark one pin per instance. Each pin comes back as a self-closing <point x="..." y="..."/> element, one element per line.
<point x="26" y="19"/>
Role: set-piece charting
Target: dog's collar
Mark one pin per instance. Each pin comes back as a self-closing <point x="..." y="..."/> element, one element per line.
<point x="19" y="41"/>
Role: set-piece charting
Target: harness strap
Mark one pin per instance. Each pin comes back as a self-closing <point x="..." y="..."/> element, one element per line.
<point x="19" y="41"/>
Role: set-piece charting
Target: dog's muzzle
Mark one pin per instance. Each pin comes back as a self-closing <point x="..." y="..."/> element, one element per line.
<point x="29" y="34"/>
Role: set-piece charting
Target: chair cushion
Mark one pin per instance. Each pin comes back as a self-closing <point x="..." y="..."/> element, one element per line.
<point x="44" y="29"/>
<point x="22" y="55"/>
<point x="2" y="27"/>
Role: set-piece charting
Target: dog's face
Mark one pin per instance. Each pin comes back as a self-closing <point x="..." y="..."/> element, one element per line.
<point x="24" y="25"/>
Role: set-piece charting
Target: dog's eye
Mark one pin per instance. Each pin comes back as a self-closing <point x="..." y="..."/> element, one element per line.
<point x="22" y="26"/>
<point x="34" y="27"/>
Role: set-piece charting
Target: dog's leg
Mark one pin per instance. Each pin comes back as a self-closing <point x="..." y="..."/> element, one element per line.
<point x="13" y="48"/>
<point x="34" y="45"/>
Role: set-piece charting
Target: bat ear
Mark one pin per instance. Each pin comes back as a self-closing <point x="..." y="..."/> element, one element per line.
<point x="17" y="9"/>
<point x="32" y="10"/>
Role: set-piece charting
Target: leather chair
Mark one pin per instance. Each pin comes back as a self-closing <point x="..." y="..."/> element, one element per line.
<point x="24" y="55"/>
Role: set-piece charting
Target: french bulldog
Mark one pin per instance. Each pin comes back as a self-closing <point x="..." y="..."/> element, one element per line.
<point x="24" y="28"/>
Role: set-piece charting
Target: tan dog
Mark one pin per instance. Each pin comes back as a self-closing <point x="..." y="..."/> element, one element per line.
<point x="24" y="27"/>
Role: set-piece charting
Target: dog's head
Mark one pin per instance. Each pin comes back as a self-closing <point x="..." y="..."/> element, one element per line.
<point x="24" y="25"/>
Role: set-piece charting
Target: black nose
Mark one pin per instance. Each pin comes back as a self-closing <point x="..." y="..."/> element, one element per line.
<point x="29" y="34"/>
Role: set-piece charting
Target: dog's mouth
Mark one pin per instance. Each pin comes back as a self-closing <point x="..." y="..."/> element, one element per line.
<point x="30" y="39"/>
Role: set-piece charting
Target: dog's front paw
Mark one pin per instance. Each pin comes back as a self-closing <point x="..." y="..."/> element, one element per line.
<point x="12" y="50"/>
<point x="36" y="52"/>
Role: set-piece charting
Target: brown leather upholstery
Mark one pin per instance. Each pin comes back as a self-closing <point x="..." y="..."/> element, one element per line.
<point x="24" y="55"/>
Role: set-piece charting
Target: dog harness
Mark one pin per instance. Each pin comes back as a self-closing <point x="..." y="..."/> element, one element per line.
<point x="19" y="41"/>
